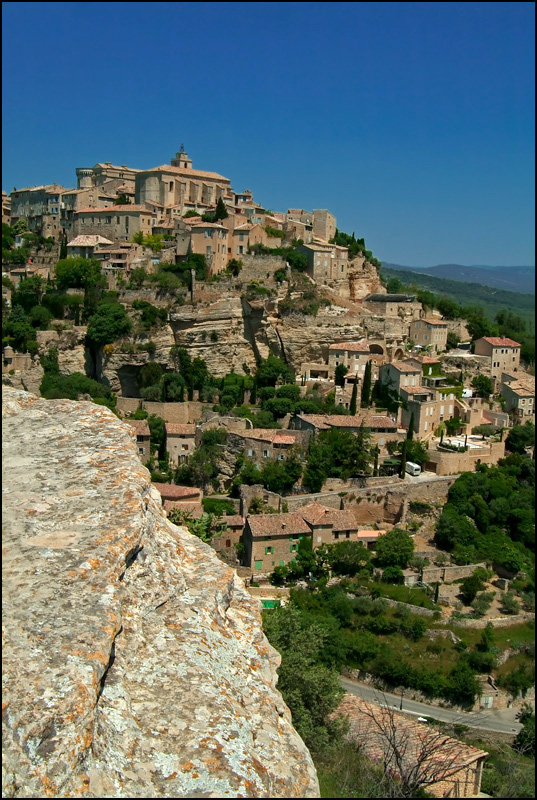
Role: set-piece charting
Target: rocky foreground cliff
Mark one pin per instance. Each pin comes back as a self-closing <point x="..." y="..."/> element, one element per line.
<point x="134" y="662"/>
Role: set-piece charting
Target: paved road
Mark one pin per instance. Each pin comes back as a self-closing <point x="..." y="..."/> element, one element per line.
<point x="486" y="720"/>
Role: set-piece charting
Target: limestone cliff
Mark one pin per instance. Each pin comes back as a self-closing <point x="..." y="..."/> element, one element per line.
<point x="134" y="663"/>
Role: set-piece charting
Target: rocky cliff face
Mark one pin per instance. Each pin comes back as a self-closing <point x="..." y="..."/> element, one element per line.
<point x="134" y="663"/>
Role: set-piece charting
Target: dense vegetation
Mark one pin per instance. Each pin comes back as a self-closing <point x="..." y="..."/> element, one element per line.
<point x="489" y="515"/>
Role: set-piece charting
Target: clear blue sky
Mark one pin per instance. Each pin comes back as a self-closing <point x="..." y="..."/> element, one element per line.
<point x="412" y="122"/>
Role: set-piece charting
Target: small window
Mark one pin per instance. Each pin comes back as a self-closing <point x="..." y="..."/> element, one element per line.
<point x="258" y="564"/>
<point x="293" y="548"/>
<point x="269" y="551"/>
<point x="266" y="454"/>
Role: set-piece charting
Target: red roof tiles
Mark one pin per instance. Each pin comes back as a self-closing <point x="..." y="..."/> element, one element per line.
<point x="498" y="341"/>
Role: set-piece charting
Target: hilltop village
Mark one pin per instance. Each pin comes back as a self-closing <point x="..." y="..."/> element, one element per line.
<point x="330" y="435"/>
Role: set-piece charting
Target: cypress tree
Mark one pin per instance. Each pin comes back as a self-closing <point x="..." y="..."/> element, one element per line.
<point x="221" y="211"/>
<point x="410" y="432"/>
<point x="354" y="397"/>
<point x="403" y="461"/>
<point x="366" y="386"/>
<point x="63" y="248"/>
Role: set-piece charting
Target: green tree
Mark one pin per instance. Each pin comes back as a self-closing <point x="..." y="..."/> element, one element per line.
<point x="63" y="248"/>
<point x="366" y="386"/>
<point x="270" y="369"/>
<point x="484" y="430"/>
<point x="354" y="398"/>
<point x="312" y="699"/>
<point x="470" y="586"/>
<point x="157" y="429"/>
<point x="402" y="468"/>
<point x="78" y="273"/>
<point x="108" y="324"/>
<point x="520" y="437"/>
<point x="483" y="385"/>
<point x="221" y="211"/>
<point x="394" y="548"/>
<point x="29" y="292"/>
<point x="339" y="374"/>
<point x="17" y="331"/>
<point x="410" y="432"/>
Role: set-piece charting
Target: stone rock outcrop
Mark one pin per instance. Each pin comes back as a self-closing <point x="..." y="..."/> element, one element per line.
<point x="134" y="663"/>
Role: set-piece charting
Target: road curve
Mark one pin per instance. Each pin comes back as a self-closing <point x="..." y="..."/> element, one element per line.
<point x="484" y="720"/>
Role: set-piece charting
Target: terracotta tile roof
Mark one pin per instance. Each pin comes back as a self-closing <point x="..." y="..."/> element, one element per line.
<point x="415" y="390"/>
<point x="284" y="438"/>
<point x="522" y="388"/>
<point x="88" y="241"/>
<point x="139" y="426"/>
<point x="448" y="755"/>
<point x="277" y="524"/>
<point x="233" y="520"/>
<point x="194" y="173"/>
<point x="338" y="520"/>
<point x="175" y="429"/>
<point x="195" y="510"/>
<point x="433" y="321"/>
<point x="106" y="210"/>
<point x="268" y="435"/>
<point x="355" y="347"/>
<point x="208" y="225"/>
<point x="169" y="491"/>
<point x="422" y="360"/>
<point x="325" y="421"/>
<point x="369" y="534"/>
<point x="402" y="366"/>
<point x="498" y="341"/>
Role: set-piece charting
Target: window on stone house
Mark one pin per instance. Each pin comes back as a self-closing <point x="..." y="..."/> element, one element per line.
<point x="293" y="548"/>
<point x="140" y="451"/>
<point x="258" y="564"/>
<point x="266" y="454"/>
<point x="336" y="535"/>
<point x="117" y="220"/>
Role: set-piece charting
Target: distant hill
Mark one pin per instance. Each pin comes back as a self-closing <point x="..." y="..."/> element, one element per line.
<point x="512" y="279"/>
<point x="489" y="298"/>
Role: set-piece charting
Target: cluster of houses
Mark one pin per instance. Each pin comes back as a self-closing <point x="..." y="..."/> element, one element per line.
<point x="112" y="204"/>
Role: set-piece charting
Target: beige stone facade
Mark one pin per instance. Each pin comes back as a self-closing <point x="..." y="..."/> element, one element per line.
<point x="210" y="239"/>
<point x="141" y="431"/>
<point x="354" y="356"/>
<point x="404" y="306"/>
<point x="260" y="444"/>
<point x="519" y="394"/>
<point x="429" y="332"/>
<point x="40" y="206"/>
<point x="180" y="185"/>
<point x="324" y="224"/>
<point x="504" y="354"/>
<point x="180" y="442"/>
<point x="444" y="462"/>
<point x="400" y="375"/>
<point x="326" y="262"/>
<point x="118" y="223"/>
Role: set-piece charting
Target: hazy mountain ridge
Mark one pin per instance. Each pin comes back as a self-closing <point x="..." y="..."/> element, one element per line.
<point x="512" y="279"/>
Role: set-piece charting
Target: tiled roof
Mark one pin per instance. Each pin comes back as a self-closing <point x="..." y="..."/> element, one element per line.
<point x="277" y="524"/>
<point x="355" y="347"/>
<point x="175" y="429"/>
<point x="369" y="534"/>
<point x="433" y="321"/>
<point x="415" y="390"/>
<point x="106" y="209"/>
<point x="338" y="520"/>
<point x="325" y="421"/>
<point x="139" y="426"/>
<point x="522" y="388"/>
<point x="448" y="755"/>
<point x="169" y="491"/>
<point x="268" y="435"/>
<point x="195" y="510"/>
<point x="402" y="366"/>
<point x="208" y="225"/>
<point x="284" y="438"/>
<point x="498" y="341"/>
<point x="233" y="520"/>
<point x="423" y="359"/>
<point x="194" y="173"/>
<point x="88" y="241"/>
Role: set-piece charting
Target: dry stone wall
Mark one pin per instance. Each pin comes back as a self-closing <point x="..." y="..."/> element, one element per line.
<point x="134" y="662"/>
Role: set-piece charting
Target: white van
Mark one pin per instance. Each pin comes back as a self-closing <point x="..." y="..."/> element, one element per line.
<point x="412" y="469"/>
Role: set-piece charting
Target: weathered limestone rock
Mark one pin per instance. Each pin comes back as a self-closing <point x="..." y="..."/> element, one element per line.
<point x="134" y="663"/>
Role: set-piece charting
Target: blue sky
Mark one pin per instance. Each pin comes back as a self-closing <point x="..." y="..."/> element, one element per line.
<point x="412" y="122"/>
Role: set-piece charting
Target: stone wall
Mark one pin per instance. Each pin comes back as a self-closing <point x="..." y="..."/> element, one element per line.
<point x="134" y="661"/>
<point x="446" y="574"/>
<point x="496" y="622"/>
<point x="419" y="610"/>
<point x="181" y="413"/>
<point x="445" y="462"/>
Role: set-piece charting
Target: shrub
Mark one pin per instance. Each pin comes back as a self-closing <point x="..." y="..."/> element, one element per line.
<point x="509" y="603"/>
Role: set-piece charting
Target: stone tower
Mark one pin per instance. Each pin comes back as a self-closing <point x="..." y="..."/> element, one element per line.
<point x="181" y="159"/>
<point x="84" y="177"/>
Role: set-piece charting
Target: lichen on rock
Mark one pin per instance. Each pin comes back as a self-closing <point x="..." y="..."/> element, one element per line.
<point x="134" y="662"/>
